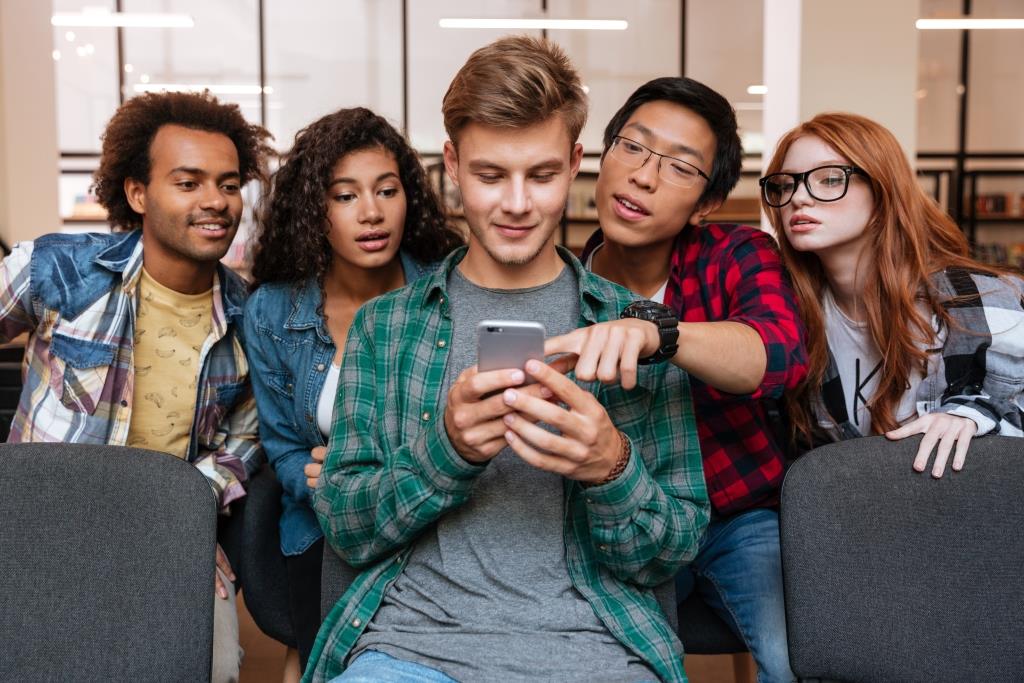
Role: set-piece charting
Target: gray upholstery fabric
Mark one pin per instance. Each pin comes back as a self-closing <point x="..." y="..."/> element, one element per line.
<point x="262" y="569"/>
<point x="106" y="565"/>
<point x="891" y="575"/>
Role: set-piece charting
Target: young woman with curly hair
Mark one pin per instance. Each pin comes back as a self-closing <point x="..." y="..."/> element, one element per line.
<point x="906" y="334"/>
<point x="350" y="216"/>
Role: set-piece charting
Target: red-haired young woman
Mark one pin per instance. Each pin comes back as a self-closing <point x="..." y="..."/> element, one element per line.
<point x="906" y="334"/>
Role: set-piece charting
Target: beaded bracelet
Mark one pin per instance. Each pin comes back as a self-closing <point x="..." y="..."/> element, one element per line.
<point x="620" y="464"/>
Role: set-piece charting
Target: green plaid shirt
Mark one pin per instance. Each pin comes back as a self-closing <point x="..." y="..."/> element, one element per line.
<point x="391" y="472"/>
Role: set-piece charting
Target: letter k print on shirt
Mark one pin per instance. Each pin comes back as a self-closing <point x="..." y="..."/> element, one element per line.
<point x="858" y="396"/>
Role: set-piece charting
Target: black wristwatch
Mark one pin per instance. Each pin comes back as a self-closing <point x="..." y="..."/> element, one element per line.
<point x="666" y="320"/>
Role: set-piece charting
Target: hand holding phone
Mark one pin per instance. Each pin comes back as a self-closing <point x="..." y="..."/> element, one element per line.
<point x="475" y="406"/>
<point x="508" y="344"/>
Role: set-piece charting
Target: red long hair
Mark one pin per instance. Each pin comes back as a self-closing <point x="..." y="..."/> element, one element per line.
<point x="910" y="238"/>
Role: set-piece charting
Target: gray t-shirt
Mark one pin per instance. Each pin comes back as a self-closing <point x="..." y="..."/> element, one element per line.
<point x="486" y="594"/>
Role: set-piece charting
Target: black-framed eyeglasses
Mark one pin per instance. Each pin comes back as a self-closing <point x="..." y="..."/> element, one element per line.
<point x="824" y="183"/>
<point x="676" y="172"/>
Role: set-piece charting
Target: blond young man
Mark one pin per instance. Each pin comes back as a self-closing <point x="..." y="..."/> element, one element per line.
<point x="505" y="531"/>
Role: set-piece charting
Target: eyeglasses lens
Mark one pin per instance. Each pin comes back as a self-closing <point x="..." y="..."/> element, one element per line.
<point x="828" y="184"/>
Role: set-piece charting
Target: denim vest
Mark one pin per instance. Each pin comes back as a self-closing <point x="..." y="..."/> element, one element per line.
<point x="290" y="352"/>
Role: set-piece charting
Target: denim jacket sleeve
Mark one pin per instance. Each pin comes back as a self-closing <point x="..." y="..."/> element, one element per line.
<point x="286" y="451"/>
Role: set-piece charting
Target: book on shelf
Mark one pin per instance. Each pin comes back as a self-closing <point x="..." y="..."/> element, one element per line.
<point x="999" y="204"/>
<point x="1001" y="254"/>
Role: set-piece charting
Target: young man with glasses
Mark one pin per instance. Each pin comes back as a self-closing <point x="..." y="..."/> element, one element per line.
<point x="672" y="155"/>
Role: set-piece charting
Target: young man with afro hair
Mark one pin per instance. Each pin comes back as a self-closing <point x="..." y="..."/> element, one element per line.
<point x="134" y="335"/>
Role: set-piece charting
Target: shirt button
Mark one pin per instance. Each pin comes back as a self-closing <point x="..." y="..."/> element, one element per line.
<point x="320" y="368"/>
<point x="590" y="500"/>
<point x="356" y="623"/>
<point x="425" y="416"/>
<point x="602" y="548"/>
<point x="124" y="404"/>
<point x="440" y="343"/>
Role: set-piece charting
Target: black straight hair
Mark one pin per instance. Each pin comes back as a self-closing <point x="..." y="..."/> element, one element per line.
<point x="710" y="106"/>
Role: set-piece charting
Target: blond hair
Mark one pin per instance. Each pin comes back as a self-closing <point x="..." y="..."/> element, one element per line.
<point x="515" y="82"/>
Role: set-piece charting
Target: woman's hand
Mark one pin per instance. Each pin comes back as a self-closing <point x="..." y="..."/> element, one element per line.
<point x="313" y="469"/>
<point x="943" y="429"/>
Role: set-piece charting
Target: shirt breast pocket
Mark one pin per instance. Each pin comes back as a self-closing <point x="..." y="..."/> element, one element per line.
<point x="281" y="381"/>
<point x="217" y="401"/>
<point x="79" y="371"/>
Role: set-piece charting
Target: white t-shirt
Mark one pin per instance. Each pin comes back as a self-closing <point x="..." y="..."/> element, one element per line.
<point x="859" y="366"/>
<point x="325" y="405"/>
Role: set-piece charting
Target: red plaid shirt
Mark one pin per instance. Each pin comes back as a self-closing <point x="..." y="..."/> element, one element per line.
<point x="733" y="272"/>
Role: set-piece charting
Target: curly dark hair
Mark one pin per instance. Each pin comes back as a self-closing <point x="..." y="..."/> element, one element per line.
<point x="292" y="244"/>
<point x="130" y="132"/>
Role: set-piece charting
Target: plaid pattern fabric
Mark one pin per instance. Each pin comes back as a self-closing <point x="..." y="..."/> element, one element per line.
<point x="981" y="373"/>
<point x="391" y="471"/>
<point x="74" y="295"/>
<point x="733" y="272"/>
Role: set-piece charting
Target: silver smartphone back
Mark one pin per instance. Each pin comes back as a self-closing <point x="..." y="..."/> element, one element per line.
<point x="507" y="344"/>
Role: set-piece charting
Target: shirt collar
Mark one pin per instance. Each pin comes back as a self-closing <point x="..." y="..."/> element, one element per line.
<point x="124" y="256"/>
<point x="592" y="297"/>
<point x="306" y="314"/>
<point x="308" y="296"/>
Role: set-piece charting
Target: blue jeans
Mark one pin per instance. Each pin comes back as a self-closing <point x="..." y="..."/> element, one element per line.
<point x="376" y="667"/>
<point x="738" y="573"/>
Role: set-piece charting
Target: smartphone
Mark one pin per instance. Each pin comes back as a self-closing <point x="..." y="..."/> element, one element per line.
<point x="507" y="344"/>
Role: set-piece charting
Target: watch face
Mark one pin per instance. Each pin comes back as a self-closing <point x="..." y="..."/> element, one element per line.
<point x="650" y="310"/>
<point x="666" y="321"/>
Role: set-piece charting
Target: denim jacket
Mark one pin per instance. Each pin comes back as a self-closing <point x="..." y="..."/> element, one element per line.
<point x="75" y="296"/>
<point x="290" y="350"/>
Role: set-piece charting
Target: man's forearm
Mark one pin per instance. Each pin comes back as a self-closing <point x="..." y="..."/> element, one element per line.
<point x="726" y="355"/>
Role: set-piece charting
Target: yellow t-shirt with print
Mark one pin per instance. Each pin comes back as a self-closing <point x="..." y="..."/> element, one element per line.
<point x="170" y="330"/>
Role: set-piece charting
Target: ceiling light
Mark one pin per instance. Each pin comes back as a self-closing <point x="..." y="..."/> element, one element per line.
<point x="757" y="89"/>
<point x="527" y="24"/>
<point x="964" y="23"/>
<point x="122" y="19"/>
<point x="215" y="88"/>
